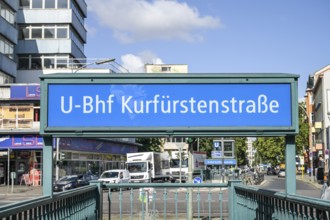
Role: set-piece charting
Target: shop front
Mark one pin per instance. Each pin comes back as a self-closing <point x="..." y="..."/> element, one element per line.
<point x="78" y="155"/>
<point x="20" y="154"/>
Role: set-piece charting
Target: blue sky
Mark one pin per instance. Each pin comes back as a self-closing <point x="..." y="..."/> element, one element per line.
<point x="213" y="36"/>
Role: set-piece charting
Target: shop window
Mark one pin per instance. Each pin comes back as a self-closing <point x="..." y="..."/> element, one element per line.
<point x="36" y="113"/>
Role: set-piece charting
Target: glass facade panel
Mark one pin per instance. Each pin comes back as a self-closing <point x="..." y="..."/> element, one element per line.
<point x="62" y="3"/>
<point x="36" y="63"/>
<point x="23" y="63"/>
<point x="62" y="63"/>
<point x="49" y="32"/>
<point x="49" y="63"/>
<point x="23" y="33"/>
<point x="37" y="4"/>
<point x="49" y="3"/>
<point x="24" y="3"/>
<point x="62" y="33"/>
<point x="36" y="33"/>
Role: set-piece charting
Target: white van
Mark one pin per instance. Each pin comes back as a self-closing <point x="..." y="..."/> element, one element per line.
<point x="115" y="176"/>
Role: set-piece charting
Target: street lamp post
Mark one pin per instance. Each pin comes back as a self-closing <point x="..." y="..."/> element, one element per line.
<point x="99" y="62"/>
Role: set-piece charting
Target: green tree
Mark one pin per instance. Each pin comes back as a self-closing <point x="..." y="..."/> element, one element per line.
<point x="302" y="137"/>
<point x="272" y="149"/>
<point x="240" y="150"/>
<point x="269" y="150"/>
<point x="150" y="144"/>
<point x="206" y="145"/>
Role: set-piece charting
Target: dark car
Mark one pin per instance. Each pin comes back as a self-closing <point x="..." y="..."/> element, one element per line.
<point x="73" y="181"/>
<point x="271" y="171"/>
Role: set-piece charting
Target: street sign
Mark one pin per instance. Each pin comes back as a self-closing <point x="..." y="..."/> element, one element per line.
<point x="177" y="105"/>
<point x="198" y="180"/>
<point x="216" y="154"/>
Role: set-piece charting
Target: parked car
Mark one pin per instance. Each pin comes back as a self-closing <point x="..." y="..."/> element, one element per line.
<point x="73" y="181"/>
<point x="115" y="176"/>
<point x="271" y="171"/>
<point x="281" y="173"/>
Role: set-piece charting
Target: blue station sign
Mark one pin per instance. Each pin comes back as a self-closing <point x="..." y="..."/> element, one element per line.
<point x="172" y="104"/>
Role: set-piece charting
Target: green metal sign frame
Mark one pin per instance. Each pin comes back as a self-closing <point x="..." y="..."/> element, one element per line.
<point x="167" y="79"/>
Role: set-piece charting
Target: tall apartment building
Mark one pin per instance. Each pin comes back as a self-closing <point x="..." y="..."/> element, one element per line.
<point x="8" y="40"/>
<point x="51" y="36"/>
<point x="317" y="100"/>
<point x="43" y="37"/>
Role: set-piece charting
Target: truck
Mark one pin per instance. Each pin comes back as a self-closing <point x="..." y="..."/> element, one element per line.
<point x="148" y="167"/>
<point x="198" y="165"/>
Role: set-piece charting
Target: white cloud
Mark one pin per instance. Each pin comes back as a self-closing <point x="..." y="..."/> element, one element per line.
<point x="135" y="63"/>
<point x="138" y="20"/>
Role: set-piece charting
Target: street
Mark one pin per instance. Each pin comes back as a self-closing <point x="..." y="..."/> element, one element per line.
<point x="304" y="188"/>
<point x="170" y="201"/>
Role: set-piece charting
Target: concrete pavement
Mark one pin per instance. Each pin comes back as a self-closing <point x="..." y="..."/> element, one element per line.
<point x="310" y="180"/>
<point x="23" y="192"/>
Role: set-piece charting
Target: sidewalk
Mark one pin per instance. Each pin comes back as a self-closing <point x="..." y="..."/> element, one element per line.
<point x="310" y="180"/>
<point x="20" y="190"/>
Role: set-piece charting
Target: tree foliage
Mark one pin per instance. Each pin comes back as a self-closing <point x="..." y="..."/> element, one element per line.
<point x="240" y="150"/>
<point x="272" y="149"/>
<point x="150" y="144"/>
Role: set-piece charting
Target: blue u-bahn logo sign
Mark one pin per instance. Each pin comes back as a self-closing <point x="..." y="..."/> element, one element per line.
<point x="171" y="104"/>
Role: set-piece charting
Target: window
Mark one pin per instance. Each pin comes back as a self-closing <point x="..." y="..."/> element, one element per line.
<point x="7" y="13"/>
<point x="6" y="47"/>
<point x="23" y="63"/>
<point x="49" y="3"/>
<point x="24" y="3"/>
<point x="49" y="32"/>
<point x="43" y="61"/>
<point x="62" y="63"/>
<point x="49" y="63"/>
<point x="62" y="3"/>
<point x="166" y="68"/>
<point x="36" y="3"/>
<point x="23" y="33"/>
<point x="36" y="33"/>
<point x="36" y="62"/>
<point x="62" y="32"/>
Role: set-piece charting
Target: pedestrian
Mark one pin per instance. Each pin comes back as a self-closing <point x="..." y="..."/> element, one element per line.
<point x="320" y="163"/>
<point x="320" y="170"/>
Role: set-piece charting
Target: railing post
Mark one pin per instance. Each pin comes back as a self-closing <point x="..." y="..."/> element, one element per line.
<point x="47" y="166"/>
<point x="99" y="198"/>
<point x="290" y="165"/>
<point x="232" y="205"/>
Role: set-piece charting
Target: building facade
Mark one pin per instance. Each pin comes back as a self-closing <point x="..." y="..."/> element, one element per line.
<point x="44" y="37"/>
<point x="8" y="40"/>
<point x="317" y="100"/>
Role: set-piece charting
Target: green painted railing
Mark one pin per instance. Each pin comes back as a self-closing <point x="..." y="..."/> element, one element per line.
<point x="253" y="203"/>
<point x="80" y="203"/>
<point x="231" y="200"/>
<point x="167" y="201"/>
